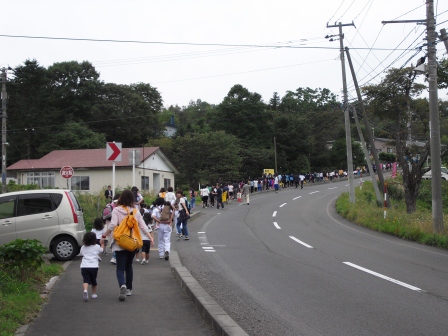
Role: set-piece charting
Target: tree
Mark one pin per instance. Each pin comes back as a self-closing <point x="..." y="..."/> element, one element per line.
<point x="390" y="100"/>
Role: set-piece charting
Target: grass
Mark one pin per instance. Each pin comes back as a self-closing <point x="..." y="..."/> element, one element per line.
<point x="415" y="227"/>
<point x="20" y="301"/>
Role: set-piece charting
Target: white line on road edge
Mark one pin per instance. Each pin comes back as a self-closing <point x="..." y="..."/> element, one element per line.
<point x="282" y="205"/>
<point x="313" y="192"/>
<point x="276" y="225"/>
<point x="274" y="214"/>
<point x="300" y="242"/>
<point x="384" y="277"/>
<point x="296" y="198"/>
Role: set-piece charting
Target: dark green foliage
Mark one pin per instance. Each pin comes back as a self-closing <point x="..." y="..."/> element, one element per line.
<point x="387" y="157"/>
<point x="22" y="257"/>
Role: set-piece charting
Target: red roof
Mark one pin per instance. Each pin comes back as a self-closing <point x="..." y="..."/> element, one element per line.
<point x="80" y="158"/>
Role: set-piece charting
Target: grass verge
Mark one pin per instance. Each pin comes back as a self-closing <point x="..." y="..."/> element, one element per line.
<point x="21" y="301"/>
<point x="415" y="227"/>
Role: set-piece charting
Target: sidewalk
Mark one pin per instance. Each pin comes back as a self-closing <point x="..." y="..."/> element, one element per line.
<point x="166" y="300"/>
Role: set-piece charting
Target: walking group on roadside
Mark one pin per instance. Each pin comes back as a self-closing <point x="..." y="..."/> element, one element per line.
<point x="128" y="214"/>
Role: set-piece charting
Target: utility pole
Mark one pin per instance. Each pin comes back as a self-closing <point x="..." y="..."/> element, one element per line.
<point x="4" y="98"/>
<point x="434" y="123"/>
<point x="444" y="38"/>
<point x="348" y="137"/>
<point x="368" y="131"/>
<point x="275" y="157"/>
<point x="436" y="180"/>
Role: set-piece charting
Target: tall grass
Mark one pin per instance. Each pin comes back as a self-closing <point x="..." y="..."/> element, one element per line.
<point x="415" y="227"/>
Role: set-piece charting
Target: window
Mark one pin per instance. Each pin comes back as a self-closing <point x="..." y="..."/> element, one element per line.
<point x="166" y="183"/>
<point x="145" y="182"/>
<point x="80" y="183"/>
<point x="34" y="204"/>
<point x="42" y="179"/>
<point x="389" y="150"/>
<point x="7" y="207"/>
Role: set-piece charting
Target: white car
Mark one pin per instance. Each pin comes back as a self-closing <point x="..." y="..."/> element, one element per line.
<point x="427" y="175"/>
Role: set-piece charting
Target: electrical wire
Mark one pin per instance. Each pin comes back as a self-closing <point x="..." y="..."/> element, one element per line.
<point x="337" y="10"/>
<point x="408" y="12"/>
<point x="346" y="10"/>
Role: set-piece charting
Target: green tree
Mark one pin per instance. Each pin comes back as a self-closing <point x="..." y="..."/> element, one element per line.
<point x="389" y="100"/>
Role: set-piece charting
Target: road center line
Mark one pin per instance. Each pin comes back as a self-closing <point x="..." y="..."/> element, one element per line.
<point x="282" y="205"/>
<point x="274" y="214"/>
<point x="276" y="225"/>
<point x="314" y="192"/>
<point x="207" y="247"/>
<point x="333" y="188"/>
<point x="296" y="198"/>
<point x="300" y="242"/>
<point x="384" y="277"/>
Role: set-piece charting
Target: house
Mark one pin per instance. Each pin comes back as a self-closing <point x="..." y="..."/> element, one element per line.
<point x="170" y="128"/>
<point x="93" y="172"/>
<point x="384" y="145"/>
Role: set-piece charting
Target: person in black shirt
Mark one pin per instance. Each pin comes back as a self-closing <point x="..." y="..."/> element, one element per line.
<point x="219" y="196"/>
<point x="108" y="194"/>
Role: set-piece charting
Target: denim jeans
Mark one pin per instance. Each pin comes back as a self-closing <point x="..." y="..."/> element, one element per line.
<point x="193" y="202"/>
<point x="184" y="226"/>
<point x="124" y="265"/>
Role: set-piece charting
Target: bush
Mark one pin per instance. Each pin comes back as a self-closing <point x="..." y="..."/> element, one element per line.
<point x="22" y="257"/>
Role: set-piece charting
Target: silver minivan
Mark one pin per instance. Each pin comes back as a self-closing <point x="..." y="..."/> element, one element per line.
<point x="52" y="216"/>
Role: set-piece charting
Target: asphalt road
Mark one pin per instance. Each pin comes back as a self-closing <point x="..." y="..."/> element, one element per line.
<point x="287" y="264"/>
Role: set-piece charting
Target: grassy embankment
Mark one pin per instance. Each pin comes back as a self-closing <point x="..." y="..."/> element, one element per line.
<point x="20" y="300"/>
<point x="415" y="227"/>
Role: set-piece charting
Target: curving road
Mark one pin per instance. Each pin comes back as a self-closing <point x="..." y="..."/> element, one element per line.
<point x="287" y="264"/>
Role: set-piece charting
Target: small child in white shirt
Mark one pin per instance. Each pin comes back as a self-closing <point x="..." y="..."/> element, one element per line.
<point x="89" y="265"/>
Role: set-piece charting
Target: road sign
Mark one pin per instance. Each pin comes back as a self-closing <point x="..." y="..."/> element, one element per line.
<point x="67" y="172"/>
<point x="113" y="151"/>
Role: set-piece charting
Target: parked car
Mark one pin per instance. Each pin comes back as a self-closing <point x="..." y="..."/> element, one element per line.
<point x="54" y="217"/>
<point x="427" y="175"/>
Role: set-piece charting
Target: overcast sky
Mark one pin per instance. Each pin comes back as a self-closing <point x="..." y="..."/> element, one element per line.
<point x="207" y="72"/>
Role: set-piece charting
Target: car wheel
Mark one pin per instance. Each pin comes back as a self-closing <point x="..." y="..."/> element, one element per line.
<point x="64" y="248"/>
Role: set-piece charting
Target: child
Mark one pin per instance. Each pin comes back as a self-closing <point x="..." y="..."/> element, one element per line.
<point x="164" y="233"/>
<point x="89" y="264"/>
<point x="147" y="243"/>
<point x="98" y="229"/>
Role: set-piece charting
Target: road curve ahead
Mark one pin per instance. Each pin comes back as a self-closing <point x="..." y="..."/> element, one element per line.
<point x="287" y="264"/>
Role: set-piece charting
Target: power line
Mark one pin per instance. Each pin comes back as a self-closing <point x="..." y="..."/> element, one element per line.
<point x="179" y="43"/>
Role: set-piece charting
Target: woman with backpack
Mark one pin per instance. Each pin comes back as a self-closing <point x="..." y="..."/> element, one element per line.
<point x="124" y="258"/>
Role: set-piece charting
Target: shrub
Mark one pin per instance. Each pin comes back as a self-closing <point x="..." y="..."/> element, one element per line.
<point x="22" y="257"/>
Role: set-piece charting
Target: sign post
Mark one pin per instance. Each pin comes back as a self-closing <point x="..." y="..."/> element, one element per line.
<point x="113" y="153"/>
<point x="67" y="172"/>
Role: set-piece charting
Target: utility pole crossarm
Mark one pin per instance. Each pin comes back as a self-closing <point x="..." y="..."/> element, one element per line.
<point x="403" y="21"/>
<point x="340" y="25"/>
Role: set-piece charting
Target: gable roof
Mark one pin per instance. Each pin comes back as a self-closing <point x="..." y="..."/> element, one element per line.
<point x="85" y="158"/>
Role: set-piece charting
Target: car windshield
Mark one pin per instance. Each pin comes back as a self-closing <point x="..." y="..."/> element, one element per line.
<point x="444" y="170"/>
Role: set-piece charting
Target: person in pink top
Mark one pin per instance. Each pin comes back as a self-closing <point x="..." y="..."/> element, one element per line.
<point x="124" y="257"/>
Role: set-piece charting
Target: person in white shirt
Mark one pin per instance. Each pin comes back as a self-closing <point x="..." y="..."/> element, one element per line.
<point x="89" y="265"/>
<point x="204" y="194"/>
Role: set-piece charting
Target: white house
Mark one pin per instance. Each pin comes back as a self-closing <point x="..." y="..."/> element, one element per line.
<point x="170" y="128"/>
<point x="93" y="173"/>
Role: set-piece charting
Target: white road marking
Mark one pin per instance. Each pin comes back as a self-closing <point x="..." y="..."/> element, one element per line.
<point x="384" y="277"/>
<point x="282" y="205"/>
<point x="296" y="198"/>
<point x="276" y="225"/>
<point x="209" y="251"/>
<point x="201" y="232"/>
<point x="347" y="185"/>
<point x="300" y="242"/>
<point x="207" y="247"/>
<point x="333" y="188"/>
<point x="274" y="214"/>
<point x="314" y="192"/>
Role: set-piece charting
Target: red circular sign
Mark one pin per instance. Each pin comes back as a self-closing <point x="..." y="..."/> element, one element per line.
<point x="67" y="172"/>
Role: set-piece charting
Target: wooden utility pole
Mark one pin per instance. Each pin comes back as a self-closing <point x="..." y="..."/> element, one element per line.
<point x="348" y="137"/>
<point x="368" y="132"/>
<point x="4" y="98"/>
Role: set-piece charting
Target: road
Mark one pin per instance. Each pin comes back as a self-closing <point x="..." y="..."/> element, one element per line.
<point x="287" y="264"/>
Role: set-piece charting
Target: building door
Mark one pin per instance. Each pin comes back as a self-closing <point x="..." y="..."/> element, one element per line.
<point x="156" y="182"/>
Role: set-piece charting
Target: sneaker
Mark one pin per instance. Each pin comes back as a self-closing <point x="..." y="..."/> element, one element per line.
<point x="137" y="260"/>
<point x="186" y="238"/>
<point x="179" y="237"/>
<point x="94" y="296"/>
<point x="143" y="261"/>
<point x="167" y="255"/>
<point x="160" y="257"/>
<point x="147" y="261"/>
<point x="85" y="296"/>
<point x="113" y="261"/>
<point x="128" y="292"/>
<point x="122" y="295"/>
